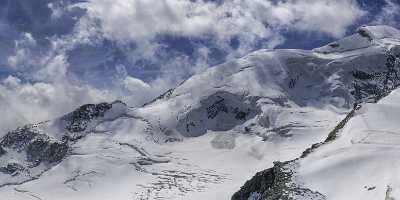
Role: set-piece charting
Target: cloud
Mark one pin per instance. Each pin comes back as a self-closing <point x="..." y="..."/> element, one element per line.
<point x="45" y="84"/>
<point x="139" y="90"/>
<point x="389" y="15"/>
<point x="144" y="19"/>
<point x="253" y="24"/>
<point x="35" y="102"/>
<point x="23" y="52"/>
<point x="329" y="17"/>
<point x="55" y="70"/>
<point x="45" y="89"/>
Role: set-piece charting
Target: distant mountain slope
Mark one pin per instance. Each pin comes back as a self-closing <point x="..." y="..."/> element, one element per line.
<point x="357" y="160"/>
<point x="203" y="139"/>
<point x="360" y="163"/>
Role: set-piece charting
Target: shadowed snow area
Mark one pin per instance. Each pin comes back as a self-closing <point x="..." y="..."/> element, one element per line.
<point x="204" y="138"/>
<point x="221" y="111"/>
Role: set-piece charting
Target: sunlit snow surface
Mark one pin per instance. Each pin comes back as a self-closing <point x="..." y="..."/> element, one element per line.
<point x="363" y="163"/>
<point x="278" y="103"/>
<point x="123" y="164"/>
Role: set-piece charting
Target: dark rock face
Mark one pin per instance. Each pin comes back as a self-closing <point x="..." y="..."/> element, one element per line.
<point x="333" y="134"/>
<point x="218" y="106"/>
<point x="240" y="115"/>
<point x="78" y="120"/>
<point x="18" y="139"/>
<point x="2" y="151"/>
<point x="38" y="148"/>
<point x="365" y="34"/>
<point x="258" y="184"/>
<point x="372" y="86"/>
<point x="218" y="112"/>
<point x="165" y="95"/>
<point x="360" y="75"/>
<point x="11" y="168"/>
<point x="275" y="184"/>
<point x="29" y="151"/>
<point x="41" y="149"/>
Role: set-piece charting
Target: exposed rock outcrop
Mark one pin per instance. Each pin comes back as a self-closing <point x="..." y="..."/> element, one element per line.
<point x="78" y="120"/>
<point x="27" y="152"/>
<point x="218" y="112"/>
<point x="275" y="184"/>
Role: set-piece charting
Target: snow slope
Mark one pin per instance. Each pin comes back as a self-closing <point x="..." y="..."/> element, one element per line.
<point x="363" y="162"/>
<point x="203" y="139"/>
<point x="358" y="160"/>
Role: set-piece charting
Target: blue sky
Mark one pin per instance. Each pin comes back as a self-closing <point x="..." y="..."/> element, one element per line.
<point x="57" y="54"/>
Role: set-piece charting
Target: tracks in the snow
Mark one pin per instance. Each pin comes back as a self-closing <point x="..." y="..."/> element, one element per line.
<point x="177" y="180"/>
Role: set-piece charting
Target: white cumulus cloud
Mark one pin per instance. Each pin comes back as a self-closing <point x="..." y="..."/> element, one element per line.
<point x="144" y="19"/>
<point x="48" y="88"/>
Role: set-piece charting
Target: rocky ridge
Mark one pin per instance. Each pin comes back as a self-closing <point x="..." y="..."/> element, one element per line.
<point x="29" y="151"/>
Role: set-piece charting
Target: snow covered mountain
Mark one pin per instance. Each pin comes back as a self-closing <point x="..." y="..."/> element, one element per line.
<point x="358" y="162"/>
<point x="206" y="137"/>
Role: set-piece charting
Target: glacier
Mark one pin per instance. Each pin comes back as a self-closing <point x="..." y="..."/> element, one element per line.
<point x="206" y="137"/>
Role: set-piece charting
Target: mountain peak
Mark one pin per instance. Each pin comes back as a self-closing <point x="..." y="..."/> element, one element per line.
<point x="379" y="32"/>
<point x="364" y="37"/>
